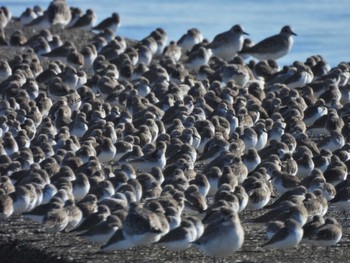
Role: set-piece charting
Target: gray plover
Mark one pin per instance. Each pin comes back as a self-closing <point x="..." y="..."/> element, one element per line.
<point x="226" y="45"/>
<point x="273" y="47"/>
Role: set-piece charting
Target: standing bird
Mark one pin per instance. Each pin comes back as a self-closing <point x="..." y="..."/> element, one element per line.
<point x="227" y="44"/>
<point x="273" y="47"/>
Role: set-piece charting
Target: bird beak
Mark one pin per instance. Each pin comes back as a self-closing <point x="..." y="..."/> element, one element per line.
<point x="245" y="33"/>
<point x="294" y="33"/>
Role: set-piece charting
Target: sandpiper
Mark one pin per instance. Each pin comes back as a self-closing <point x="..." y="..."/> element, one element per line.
<point x="38" y="213"/>
<point x="181" y="237"/>
<point x="328" y="234"/>
<point x="55" y="220"/>
<point x="288" y="236"/>
<point x="222" y="237"/>
<point x="84" y="22"/>
<point x="147" y="162"/>
<point x="112" y="23"/>
<point x="198" y="58"/>
<point x="142" y="226"/>
<point x="103" y="231"/>
<point x="74" y="214"/>
<point x="6" y="205"/>
<point x="188" y="40"/>
<point x="27" y="16"/>
<point x="59" y="13"/>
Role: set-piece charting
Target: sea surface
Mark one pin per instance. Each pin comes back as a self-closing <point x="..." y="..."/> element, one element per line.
<point x="323" y="26"/>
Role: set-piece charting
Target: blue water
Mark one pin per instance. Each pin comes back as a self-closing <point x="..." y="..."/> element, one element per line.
<point x="323" y="26"/>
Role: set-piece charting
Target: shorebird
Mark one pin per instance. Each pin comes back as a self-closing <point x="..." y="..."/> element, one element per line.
<point x="288" y="236"/>
<point x="74" y="214"/>
<point x="38" y="213"/>
<point x="111" y="23"/>
<point x="59" y="13"/>
<point x="188" y="40"/>
<point x="27" y="16"/>
<point x="84" y="22"/>
<point x="102" y="232"/>
<point x="55" y="220"/>
<point x="181" y="237"/>
<point x="198" y="58"/>
<point x="223" y="236"/>
<point x="147" y="162"/>
<point x="143" y="226"/>
<point x="226" y="45"/>
<point x="328" y="234"/>
<point x="6" y="205"/>
<point x="3" y="19"/>
<point x="273" y="47"/>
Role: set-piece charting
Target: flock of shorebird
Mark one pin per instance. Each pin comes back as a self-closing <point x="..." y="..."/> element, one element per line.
<point x="133" y="143"/>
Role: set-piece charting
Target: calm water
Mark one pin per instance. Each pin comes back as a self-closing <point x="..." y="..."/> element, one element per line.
<point x="323" y="26"/>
